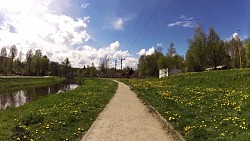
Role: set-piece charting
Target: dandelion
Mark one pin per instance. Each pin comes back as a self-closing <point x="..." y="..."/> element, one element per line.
<point x="222" y="134"/>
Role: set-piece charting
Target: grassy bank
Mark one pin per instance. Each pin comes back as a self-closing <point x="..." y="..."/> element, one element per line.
<point x="59" y="117"/>
<point x="11" y="84"/>
<point x="202" y="106"/>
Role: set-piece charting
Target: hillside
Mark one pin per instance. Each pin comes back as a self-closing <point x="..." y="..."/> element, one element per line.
<point x="201" y="106"/>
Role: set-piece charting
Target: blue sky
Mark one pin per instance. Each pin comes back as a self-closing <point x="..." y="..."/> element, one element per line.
<point x="225" y="16"/>
<point x="117" y="28"/>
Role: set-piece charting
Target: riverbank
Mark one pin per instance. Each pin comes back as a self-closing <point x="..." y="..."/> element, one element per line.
<point x="63" y="116"/>
<point x="16" y="83"/>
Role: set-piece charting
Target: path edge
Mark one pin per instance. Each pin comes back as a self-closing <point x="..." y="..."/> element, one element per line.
<point x="86" y="134"/>
<point x="165" y="123"/>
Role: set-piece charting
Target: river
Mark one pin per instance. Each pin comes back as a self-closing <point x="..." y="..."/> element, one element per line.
<point x="20" y="97"/>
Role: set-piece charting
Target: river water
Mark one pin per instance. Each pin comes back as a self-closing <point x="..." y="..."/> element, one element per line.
<point x="20" y="97"/>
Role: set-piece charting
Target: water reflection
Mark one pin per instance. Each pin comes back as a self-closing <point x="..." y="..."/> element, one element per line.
<point x="18" y="98"/>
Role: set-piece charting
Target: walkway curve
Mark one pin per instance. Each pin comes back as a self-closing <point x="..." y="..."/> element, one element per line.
<point x="126" y="118"/>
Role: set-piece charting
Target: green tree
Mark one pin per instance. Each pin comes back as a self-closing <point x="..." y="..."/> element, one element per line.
<point x="235" y="46"/>
<point x="215" y="49"/>
<point x="66" y="67"/>
<point x="171" y="50"/>
<point x="28" y="64"/>
<point x="37" y="62"/>
<point x="13" y="54"/>
<point x="54" y="68"/>
<point x="247" y="52"/>
<point x="44" y="65"/>
<point x="92" y="70"/>
<point x="4" y="61"/>
<point x="196" y="56"/>
<point x="144" y="66"/>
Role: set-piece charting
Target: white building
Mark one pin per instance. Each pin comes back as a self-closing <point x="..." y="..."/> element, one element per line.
<point x="167" y="72"/>
<point x="163" y="73"/>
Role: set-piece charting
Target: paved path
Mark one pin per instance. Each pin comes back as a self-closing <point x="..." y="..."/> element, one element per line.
<point x="126" y="118"/>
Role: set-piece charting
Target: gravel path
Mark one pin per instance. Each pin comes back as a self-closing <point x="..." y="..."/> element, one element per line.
<point x="126" y="118"/>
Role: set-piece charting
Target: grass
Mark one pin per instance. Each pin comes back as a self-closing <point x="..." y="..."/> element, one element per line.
<point x="12" y="84"/>
<point x="58" y="117"/>
<point x="201" y="106"/>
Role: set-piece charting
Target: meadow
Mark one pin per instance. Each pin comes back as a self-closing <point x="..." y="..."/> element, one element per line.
<point x="12" y="84"/>
<point x="205" y="106"/>
<point x="65" y="116"/>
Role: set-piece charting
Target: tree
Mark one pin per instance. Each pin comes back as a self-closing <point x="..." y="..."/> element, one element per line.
<point x="29" y="66"/>
<point x="4" y="61"/>
<point x="92" y="70"/>
<point x="3" y="52"/>
<point x="247" y="52"/>
<point x="143" y="66"/>
<point x="103" y="66"/>
<point x="196" y="56"/>
<point x="215" y="49"/>
<point x="44" y="65"/>
<point x="13" y="54"/>
<point x="235" y="45"/>
<point x="54" y="68"/>
<point x="171" y="50"/>
<point x="37" y="61"/>
<point x="66" y="67"/>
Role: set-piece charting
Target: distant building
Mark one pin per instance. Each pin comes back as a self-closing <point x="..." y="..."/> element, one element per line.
<point x="167" y="72"/>
<point x="223" y="67"/>
<point x="163" y="73"/>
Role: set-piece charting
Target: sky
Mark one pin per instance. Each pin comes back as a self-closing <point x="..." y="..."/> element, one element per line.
<point x="87" y="30"/>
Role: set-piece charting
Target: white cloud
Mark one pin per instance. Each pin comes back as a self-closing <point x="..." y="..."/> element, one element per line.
<point x="159" y="44"/>
<point x="147" y="52"/>
<point x="183" y="21"/>
<point x="235" y="36"/>
<point x="131" y="62"/>
<point x="121" y="54"/>
<point x="183" y="17"/>
<point x="31" y="24"/>
<point x="85" y="5"/>
<point x="118" y="24"/>
<point x="89" y="54"/>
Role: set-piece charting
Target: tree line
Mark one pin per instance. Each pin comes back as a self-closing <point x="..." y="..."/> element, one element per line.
<point x="149" y="65"/>
<point x="209" y="51"/>
<point x="37" y="64"/>
<point x="205" y="52"/>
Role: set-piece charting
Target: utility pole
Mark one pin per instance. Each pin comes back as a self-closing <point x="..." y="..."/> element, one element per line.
<point x="115" y="67"/>
<point x="115" y="64"/>
<point x="121" y="61"/>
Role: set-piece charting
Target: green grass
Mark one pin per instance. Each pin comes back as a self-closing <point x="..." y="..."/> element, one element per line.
<point x="58" y="117"/>
<point x="12" y="84"/>
<point x="201" y="106"/>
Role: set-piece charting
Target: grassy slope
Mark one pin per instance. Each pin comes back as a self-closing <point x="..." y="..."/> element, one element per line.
<point x="202" y="106"/>
<point x="58" y="117"/>
<point x="19" y="83"/>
